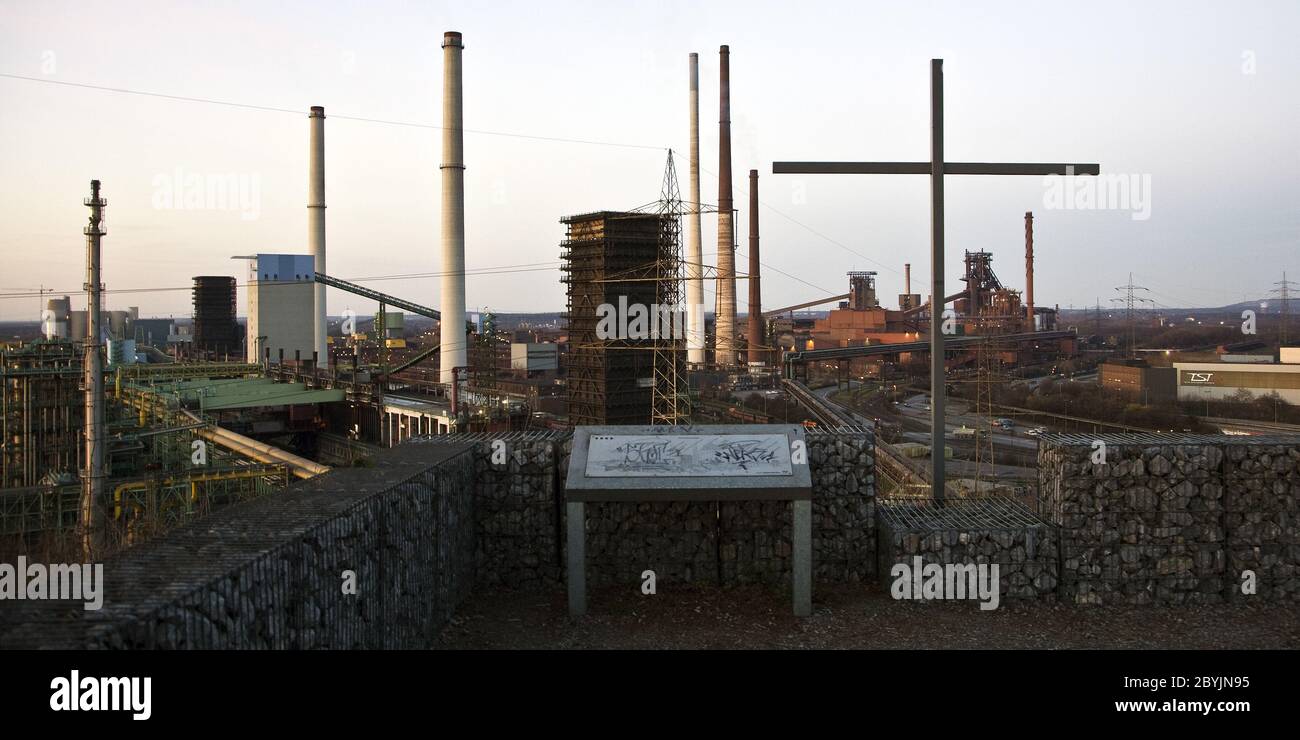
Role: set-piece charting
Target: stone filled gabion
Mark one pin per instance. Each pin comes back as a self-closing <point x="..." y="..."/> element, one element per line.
<point x="517" y="510"/>
<point x="1173" y="523"/>
<point x="269" y="574"/>
<point x="1026" y="554"/>
<point x="745" y="541"/>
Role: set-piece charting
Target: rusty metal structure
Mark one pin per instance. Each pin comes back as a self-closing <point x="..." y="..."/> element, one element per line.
<point x="1029" y="271"/>
<point x="40" y="412"/>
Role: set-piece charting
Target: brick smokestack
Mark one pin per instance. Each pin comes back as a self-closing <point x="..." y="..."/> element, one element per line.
<point x="725" y="346"/>
<point x="1029" y="269"/>
<point x="757" y="340"/>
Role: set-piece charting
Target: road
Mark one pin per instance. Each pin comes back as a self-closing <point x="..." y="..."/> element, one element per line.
<point x="913" y="416"/>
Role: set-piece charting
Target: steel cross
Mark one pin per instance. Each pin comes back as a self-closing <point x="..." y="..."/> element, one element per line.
<point x="936" y="168"/>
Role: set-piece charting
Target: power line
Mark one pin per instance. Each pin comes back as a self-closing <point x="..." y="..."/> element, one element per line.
<point x="362" y="119"/>
<point x="1129" y="300"/>
<point x="806" y="227"/>
<point x="1284" y="294"/>
<point x="507" y="270"/>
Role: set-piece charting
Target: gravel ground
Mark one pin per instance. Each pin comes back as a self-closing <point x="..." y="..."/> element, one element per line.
<point x="850" y="617"/>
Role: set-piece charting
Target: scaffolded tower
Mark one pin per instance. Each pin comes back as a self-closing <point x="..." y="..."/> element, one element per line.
<point x="636" y="274"/>
<point x="216" y="330"/>
<point x="609" y="261"/>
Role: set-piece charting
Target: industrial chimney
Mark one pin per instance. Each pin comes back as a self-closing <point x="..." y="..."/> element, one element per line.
<point x="1029" y="269"/>
<point x="316" y="226"/>
<point x="452" y="326"/>
<point x="694" y="257"/>
<point x="725" y="346"/>
<point x="90" y="518"/>
<point x="756" y="339"/>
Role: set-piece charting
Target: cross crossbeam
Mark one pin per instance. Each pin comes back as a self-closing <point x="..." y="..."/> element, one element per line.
<point x="924" y="168"/>
<point x="936" y="168"/>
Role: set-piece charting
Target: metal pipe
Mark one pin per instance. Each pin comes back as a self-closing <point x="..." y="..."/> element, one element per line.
<point x="452" y="327"/>
<point x="259" y="451"/>
<point x="695" y="349"/>
<point x="90" y="515"/>
<point x="1029" y="269"/>
<point x="756" y="339"/>
<point x="937" y="473"/>
<point x="725" y="344"/>
<point x="316" y="224"/>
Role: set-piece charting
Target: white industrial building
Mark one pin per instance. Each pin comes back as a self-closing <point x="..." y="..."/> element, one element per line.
<point x="534" y="356"/>
<point x="1216" y="381"/>
<point x="281" y="307"/>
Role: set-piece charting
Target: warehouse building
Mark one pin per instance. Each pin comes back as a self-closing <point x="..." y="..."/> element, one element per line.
<point x="1139" y="381"/>
<point x="1216" y="381"/>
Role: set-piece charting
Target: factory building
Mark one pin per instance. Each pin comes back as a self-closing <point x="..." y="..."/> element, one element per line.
<point x="1139" y="381"/>
<point x="1218" y="381"/>
<point x="530" y="357"/>
<point x="281" y="307"/>
<point x="112" y="324"/>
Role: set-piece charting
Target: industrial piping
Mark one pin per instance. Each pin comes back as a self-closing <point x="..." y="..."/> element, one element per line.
<point x="695" y="349"/>
<point x="259" y="451"/>
<point x="1029" y="269"/>
<point x="757" y="353"/>
<point x="452" y="341"/>
<point x="725" y="343"/>
<point x="316" y="227"/>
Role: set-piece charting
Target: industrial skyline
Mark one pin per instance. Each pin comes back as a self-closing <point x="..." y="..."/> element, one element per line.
<point x="1184" y="94"/>
<point x="448" y="327"/>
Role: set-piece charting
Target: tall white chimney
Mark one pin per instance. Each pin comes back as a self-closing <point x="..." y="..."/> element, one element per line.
<point x="316" y="227"/>
<point x="452" y="327"/>
<point x="694" y="256"/>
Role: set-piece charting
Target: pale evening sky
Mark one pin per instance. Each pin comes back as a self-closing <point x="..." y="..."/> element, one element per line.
<point x="1201" y="98"/>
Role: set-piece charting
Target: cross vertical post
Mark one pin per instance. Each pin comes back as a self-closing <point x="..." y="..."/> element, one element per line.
<point x="936" y="168"/>
<point x="937" y="447"/>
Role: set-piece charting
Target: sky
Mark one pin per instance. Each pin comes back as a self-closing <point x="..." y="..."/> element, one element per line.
<point x="572" y="107"/>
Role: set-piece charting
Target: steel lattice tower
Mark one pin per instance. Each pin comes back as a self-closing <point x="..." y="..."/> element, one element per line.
<point x="1284" y="298"/>
<point x="670" y="400"/>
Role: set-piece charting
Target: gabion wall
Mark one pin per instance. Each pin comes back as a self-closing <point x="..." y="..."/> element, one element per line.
<point x="520" y="521"/>
<point x="980" y="532"/>
<point x="270" y="573"/>
<point x="1173" y="518"/>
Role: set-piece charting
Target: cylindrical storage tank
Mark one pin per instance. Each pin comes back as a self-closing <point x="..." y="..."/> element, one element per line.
<point x="55" y="321"/>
